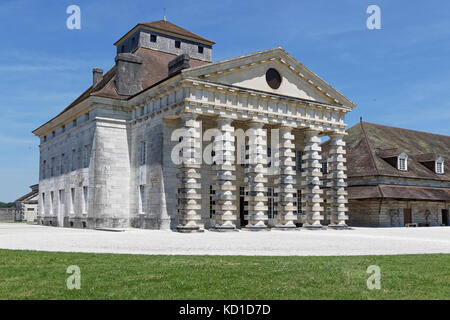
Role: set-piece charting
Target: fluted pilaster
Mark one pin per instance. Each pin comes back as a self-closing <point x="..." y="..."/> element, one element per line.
<point x="337" y="195"/>
<point x="311" y="192"/>
<point x="225" y="188"/>
<point x="189" y="188"/>
<point x="255" y="177"/>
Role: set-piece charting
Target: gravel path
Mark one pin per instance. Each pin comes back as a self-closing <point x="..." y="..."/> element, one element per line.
<point x="358" y="241"/>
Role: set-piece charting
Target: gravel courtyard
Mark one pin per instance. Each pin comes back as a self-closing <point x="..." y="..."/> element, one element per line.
<point x="358" y="241"/>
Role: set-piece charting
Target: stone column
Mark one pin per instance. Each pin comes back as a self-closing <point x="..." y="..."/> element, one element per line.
<point x="286" y="183"/>
<point x="189" y="194"/>
<point x="224" y="187"/>
<point x="255" y="177"/>
<point x="337" y="195"/>
<point x="311" y="192"/>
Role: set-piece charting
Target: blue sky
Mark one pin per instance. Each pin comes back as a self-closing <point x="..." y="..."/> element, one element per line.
<point x="399" y="75"/>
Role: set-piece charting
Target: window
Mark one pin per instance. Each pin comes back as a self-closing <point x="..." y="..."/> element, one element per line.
<point x="53" y="134"/>
<point x="85" y="200"/>
<point x="177" y="44"/>
<point x="269" y="157"/>
<point x="74" y="163"/>
<point x="143" y="153"/>
<point x="45" y="138"/>
<point x="86" y="156"/>
<point x="61" y="202"/>
<point x="63" y="128"/>
<point x="402" y="164"/>
<point x="74" y="123"/>
<point x="43" y="204"/>
<point x="272" y="204"/>
<point x="141" y="199"/>
<point x="123" y="48"/>
<point x="298" y="160"/>
<point x="52" y="167"/>
<point x="273" y="78"/>
<point x="200" y="49"/>
<point x="86" y="116"/>
<point x="440" y="166"/>
<point x="299" y="201"/>
<point x="212" y="202"/>
<point x="61" y="167"/>
<point x="152" y="38"/>
<point x="44" y="165"/>
<point x="244" y="156"/>
<point x="52" y="198"/>
<point x="72" y="200"/>
<point x="324" y="169"/>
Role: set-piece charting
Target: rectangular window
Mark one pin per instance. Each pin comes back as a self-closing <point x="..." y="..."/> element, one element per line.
<point x="143" y="152"/>
<point x="61" y="201"/>
<point x="141" y="199"/>
<point x="402" y="164"/>
<point x="43" y="204"/>
<point x="212" y="202"/>
<point x="52" y="198"/>
<point x="63" y="128"/>
<point x="53" y="134"/>
<point x="298" y="160"/>
<point x="439" y="167"/>
<point x="72" y="200"/>
<point x="152" y="38"/>
<point x="45" y="138"/>
<point x="74" y="160"/>
<point x="324" y="169"/>
<point x="52" y="167"/>
<point x="86" y="156"/>
<point x="200" y="49"/>
<point x="85" y="200"/>
<point x="44" y="165"/>
<point x="86" y="117"/>
<point x="299" y="201"/>
<point x="269" y="157"/>
<point x="177" y="44"/>
<point x="61" y="167"/>
<point x="74" y="123"/>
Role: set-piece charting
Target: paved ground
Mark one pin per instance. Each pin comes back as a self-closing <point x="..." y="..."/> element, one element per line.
<point x="359" y="241"/>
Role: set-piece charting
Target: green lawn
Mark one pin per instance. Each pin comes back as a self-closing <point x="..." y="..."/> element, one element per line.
<point x="42" y="275"/>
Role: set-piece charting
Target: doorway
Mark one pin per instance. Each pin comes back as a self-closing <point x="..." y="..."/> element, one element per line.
<point x="242" y="204"/>
<point x="407" y="217"/>
<point x="445" y="218"/>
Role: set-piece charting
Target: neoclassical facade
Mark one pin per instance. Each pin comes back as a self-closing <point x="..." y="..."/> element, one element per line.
<point x="168" y="139"/>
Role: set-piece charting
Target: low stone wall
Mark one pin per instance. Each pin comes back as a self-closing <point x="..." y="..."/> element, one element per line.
<point x="7" y="214"/>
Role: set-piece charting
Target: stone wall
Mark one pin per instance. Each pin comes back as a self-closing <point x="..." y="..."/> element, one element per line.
<point x="389" y="212"/>
<point x="7" y="214"/>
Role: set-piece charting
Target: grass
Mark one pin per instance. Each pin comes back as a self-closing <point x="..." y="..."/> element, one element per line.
<point x="42" y="275"/>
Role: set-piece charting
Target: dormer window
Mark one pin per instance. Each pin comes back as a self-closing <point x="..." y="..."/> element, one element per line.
<point x="439" y="165"/>
<point x="152" y="38"/>
<point x="402" y="162"/>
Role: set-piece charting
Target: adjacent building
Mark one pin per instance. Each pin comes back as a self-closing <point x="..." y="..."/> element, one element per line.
<point x="396" y="177"/>
<point x="27" y="205"/>
<point x="248" y="153"/>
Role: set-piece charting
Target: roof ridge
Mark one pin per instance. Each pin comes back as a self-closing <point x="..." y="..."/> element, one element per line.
<point x="405" y="129"/>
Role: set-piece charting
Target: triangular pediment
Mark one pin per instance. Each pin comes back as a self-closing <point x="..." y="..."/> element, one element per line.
<point x="249" y="72"/>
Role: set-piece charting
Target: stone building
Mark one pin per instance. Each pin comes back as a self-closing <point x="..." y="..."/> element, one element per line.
<point x="110" y="158"/>
<point x="27" y="205"/>
<point x="396" y="177"/>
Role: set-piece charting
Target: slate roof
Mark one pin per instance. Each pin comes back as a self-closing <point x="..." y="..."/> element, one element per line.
<point x="368" y="146"/>
<point x="165" y="26"/>
<point x="154" y="70"/>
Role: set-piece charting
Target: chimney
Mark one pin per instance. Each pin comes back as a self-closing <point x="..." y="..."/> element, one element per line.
<point x="97" y="76"/>
<point x="128" y="74"/>
<point x="179" y="63"/>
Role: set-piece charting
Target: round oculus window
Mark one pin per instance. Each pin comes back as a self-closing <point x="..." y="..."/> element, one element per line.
<point x="273" y="78"/>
